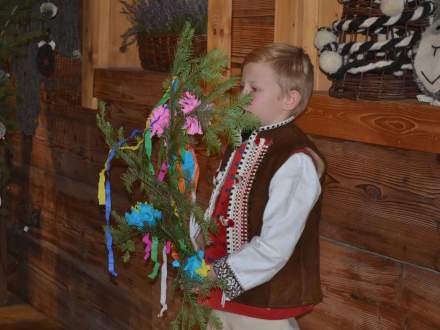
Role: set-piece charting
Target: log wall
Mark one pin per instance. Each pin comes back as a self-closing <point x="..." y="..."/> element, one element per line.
<point x="380" y="228"/>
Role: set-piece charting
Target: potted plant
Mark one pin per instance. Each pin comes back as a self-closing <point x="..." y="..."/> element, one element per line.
<point x="156" y="25"/>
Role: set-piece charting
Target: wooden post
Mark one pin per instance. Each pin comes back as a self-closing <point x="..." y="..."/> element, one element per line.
<point x="95" y="43"/>
<point x="220" y="26"/>
<point x="292" y="27"/>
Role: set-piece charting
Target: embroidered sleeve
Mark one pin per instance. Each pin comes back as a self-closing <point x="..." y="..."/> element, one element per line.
<point x="225" y="274"/>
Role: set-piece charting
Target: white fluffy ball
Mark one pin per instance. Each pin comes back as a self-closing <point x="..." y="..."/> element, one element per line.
<point x="392" y="7"/>
<point x="324" y="37"/>
<point x="48" y="9"/>
<point x="330" y="62"/>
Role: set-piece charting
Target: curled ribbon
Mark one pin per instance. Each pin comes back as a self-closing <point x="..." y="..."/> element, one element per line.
<point x="147" y="241"/>
<point x="156" y="266"/>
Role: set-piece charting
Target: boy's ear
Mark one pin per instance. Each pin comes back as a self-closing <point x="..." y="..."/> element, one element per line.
<point x="291" y="100"/>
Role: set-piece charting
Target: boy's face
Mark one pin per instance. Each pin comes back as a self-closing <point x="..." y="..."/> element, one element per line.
<point x="268" y="101"/>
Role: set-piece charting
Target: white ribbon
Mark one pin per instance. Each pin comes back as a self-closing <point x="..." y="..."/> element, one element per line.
<point x="194" y="227"/>
<point x="163" y="283"/>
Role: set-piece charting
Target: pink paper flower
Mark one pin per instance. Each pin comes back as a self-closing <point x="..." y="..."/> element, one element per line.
<point x="160" y="120"/>
<point x="189" y="102"/>
<point x="192" y="125"/>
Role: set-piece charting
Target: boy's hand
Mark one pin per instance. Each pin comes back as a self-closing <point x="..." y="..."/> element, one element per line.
<point x="200" y="241"/>
<point x="212" y="276"/>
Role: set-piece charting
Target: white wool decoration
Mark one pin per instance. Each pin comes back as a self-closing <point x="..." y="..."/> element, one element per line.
<point x="324" y="37"/>
<point x="48" y="9"/>
<point x="392" y="7"/>
<point x="330" y="62"/>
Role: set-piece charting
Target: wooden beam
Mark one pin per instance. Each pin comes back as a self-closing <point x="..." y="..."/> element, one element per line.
<point x="24" y="317"/>
<point x="130" y="86"/>
<point x="296" y="23"/>
<point x="119" y="25"/>
<point x="402" y="124"/>
<point x="95" y="45"/>
<point x="220" y="26"/>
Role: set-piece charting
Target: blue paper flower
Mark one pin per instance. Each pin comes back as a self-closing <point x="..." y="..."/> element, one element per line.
<point x="194" y="263"/>
<point x="143" y="213"/>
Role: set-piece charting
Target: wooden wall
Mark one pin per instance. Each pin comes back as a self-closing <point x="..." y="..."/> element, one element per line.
<point x="380" y="229"/>
<point x="59" y="266"/>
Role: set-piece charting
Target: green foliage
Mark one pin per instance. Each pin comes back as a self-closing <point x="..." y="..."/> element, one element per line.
<point x="222" y="118"/>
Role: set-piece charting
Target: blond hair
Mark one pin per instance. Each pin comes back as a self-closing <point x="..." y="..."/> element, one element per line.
<point x="291" y="65"/>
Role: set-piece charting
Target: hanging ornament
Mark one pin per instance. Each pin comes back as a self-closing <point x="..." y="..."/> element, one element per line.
<point x="4" y="76"/>
<point x="48" y="10"/>
<point x="2" y="131"/>
<point x="330" y="61"/>
<point x="323" y="37"/>
<point x="46" y="57"/>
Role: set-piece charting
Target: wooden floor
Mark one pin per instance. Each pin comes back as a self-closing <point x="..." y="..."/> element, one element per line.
<point x="24" y="317"/>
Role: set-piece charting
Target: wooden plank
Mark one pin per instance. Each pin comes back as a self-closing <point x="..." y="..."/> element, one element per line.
<point x="328" y="12"/>
<point x="119" y="24"/>
<point x="288" y="23"/>
<point x="219" y="25"/>
<point x="249" y="33"/>
<point x="252" y="27"/>
<point x="296" y="23"/>
<point x="130" y="86"/>
<point x="401" y="124"/>
<point x="95" y="47"/>
<point x="252" y="8"/>
<point x="79" y="295"/>
<point x="367" y="291"/>
<point x="23" y="316"/>
<point x="382" y="200"/>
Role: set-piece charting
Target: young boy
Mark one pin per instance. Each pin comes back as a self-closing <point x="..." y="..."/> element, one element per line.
<point x="265" y="202"/>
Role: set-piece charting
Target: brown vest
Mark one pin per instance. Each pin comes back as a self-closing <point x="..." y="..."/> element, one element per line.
<point x="298" y="282"/>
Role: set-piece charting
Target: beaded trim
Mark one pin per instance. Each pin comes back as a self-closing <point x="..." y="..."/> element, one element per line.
<point x="276" y="125"/>
<point x="255" y="150"/>
<point x="252" y="156"/>
<point x="226" y="274"/>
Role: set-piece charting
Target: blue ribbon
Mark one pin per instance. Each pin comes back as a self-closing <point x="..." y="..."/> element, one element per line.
<point x="108" y="206"/>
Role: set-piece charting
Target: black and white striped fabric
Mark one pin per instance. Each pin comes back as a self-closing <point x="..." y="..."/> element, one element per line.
<point x="391" y="52"/>
<point x="377" y="23"/>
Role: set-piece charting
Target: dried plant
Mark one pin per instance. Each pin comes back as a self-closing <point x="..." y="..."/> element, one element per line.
<point x="163" y="16"/>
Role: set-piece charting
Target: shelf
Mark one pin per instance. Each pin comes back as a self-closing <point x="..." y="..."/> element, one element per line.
<point x="128" y="86"/>
<point x="400" y="124"/>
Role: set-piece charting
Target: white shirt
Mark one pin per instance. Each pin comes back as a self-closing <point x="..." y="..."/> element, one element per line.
<point x="293" y="191"/>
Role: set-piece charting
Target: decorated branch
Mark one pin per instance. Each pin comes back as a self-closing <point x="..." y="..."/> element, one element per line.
<point x="195" y="112"/>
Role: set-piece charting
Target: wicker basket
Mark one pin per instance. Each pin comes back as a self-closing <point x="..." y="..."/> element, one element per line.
<point x="370" y="86"/>
<point x="375" y="86"/>
<point x="156" y="52"/>
<point x="64" y="85"/>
